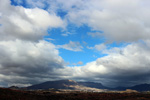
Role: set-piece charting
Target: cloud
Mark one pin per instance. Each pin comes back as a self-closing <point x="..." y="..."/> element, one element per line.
<point x="26" y="24"/>
<point x="67" y="34"/>
<point x="25" y="59"/>
<point x="96" y="34"/>
<point x="122" y="67"/>
<point x="119" y="20"/>
<point x="21" y="60"/>
<point x="98" y="47"/>
<point x="75" y="64"/>
<point x="80" y="63"/>
<point x="72" y="46"/>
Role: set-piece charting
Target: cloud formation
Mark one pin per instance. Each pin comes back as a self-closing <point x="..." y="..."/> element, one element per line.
<point x="95" y="35"/>
<point x="123" y="66"/>
<point x="26" y="59"/>
<point x="25" y="24"/>
<point x="119" y="20"/>
<point x="98" y="47"/>
<point x="72" y="46"/>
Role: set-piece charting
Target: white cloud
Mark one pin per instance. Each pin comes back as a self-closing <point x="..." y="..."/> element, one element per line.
<point x="98" y="47"/>
<point x="126" y="66"/>
<point x="22" y="60"/>
<point x="67" y="34"/>
<point x="96" y="34"/>
<point x="72" y="46"/>
<point x="28" y="24"/>
<point x="120" y="20"/>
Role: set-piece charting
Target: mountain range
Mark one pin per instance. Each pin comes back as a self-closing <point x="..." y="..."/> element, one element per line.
<point x="73" y="85"/>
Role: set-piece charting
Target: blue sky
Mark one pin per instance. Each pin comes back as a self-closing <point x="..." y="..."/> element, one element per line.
<point x="104" y="41"/>
<point x="75" y="33"/>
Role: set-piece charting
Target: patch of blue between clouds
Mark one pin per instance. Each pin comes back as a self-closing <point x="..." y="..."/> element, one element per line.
<point x="22" y="3"/>
<point x="61" y="13"/>
<point x="78" y="34"/>
<point x="26" y="4"/>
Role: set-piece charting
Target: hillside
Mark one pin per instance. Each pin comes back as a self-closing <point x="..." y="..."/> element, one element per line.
<point x="89" y="86"/>
<point x="69" y="84"/>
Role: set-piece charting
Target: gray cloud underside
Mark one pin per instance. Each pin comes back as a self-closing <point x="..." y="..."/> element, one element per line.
<point x="28" y="60"/>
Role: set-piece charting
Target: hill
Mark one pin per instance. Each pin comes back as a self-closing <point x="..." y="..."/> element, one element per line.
<point x="91" y="86"/>
<point x="68" y="84"/>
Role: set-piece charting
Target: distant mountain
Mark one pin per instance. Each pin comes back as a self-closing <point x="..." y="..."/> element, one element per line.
<point x="120" y="88"/>
<point x="14" y="87"/>
<point x="60" y="84"/>
<point x="93" y="85"/>
<point x="70" y="84"/>
<point x="66" y="84"/>
<point x="140" y="87"/>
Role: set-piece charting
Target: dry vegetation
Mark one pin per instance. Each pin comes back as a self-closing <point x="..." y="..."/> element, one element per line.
<point x="8" y="94"/>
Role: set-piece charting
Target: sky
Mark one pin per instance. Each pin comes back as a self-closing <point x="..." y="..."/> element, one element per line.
<point x="105" y="41"/>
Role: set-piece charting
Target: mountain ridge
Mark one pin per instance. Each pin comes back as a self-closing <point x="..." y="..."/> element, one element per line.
<point x="66" y="84"/>
<point x="71" y="84"/>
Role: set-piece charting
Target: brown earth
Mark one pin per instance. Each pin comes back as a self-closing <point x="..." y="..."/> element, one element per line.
<point x="9" y="94"/>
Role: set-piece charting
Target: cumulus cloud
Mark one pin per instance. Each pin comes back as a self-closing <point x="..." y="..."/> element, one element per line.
<point x="123" y="66"/>
<point x="27" y="24"/>
<point x="27" y="60"/>
<point x="120" y="20"/>
<point x="72" y="46"/>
